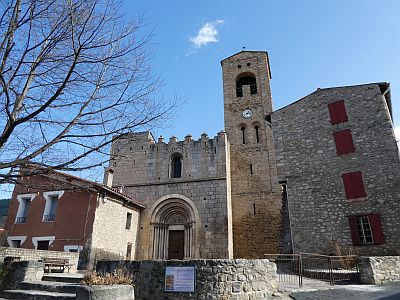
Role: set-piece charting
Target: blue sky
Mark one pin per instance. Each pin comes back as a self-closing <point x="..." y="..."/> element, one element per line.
<point x="311" y="44"/>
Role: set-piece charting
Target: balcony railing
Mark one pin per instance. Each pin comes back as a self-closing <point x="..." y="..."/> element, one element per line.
<point x="49" y="218"/>
<point x="20" y="220"/>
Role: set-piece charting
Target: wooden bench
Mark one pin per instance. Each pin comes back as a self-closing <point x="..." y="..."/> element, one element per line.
<point x="59" y="263"/>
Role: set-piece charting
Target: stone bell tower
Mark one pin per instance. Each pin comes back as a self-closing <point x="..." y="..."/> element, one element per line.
<point x="256" y="194"/>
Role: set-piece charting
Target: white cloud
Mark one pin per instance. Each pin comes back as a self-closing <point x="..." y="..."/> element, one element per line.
<point x="397" y="132"/>
<point x="208" y="33"/>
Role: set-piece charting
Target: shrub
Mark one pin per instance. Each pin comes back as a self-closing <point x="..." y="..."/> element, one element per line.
<point x="118" y="277"/>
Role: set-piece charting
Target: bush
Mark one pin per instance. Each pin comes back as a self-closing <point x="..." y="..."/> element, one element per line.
<point x="118" y="277"/>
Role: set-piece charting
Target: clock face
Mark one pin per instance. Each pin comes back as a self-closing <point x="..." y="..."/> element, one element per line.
<point x="247" y="113"/>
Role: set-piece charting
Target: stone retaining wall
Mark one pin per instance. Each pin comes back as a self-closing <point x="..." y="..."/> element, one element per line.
<point x="105" y="292"/>
<point x="215" y="279"/>
<point x="35" y="255"/>
<point x="21" y="271"/>
<point x="379" y="269"/>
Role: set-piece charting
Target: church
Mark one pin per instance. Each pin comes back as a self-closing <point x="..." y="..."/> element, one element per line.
<point x="318" y="174"/>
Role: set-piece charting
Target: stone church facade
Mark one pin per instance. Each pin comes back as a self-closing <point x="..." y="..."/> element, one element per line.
<point x="272" y="181"/>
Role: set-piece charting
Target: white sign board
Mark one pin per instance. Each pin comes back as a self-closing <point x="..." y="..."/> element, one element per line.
<point x="180" y="279"/>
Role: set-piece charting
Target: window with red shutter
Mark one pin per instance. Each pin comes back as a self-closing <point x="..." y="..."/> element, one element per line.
<point x="337" y="111"/>
<point x="354" y="185"/>
<point x="376" y="226"/>
<point x="343" y="141"/>
<point x="354" y="231"/>
<point x="366" y="229"/>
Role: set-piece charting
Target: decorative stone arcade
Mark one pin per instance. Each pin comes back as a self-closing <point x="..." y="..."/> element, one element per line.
<point x="173" y="220"/>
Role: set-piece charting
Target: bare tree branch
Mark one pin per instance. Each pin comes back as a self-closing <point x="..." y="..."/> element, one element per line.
<point x="74" y="75"/>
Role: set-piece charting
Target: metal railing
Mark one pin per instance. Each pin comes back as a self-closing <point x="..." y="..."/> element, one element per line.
<point x="20" y="220"/>
<point x="49" y="218"/>
<point x="293" y="267"/>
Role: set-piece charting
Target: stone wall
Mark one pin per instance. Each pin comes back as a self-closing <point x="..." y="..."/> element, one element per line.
<point x="21" y="271"/>
<point x="35" y="255"/>
<point x="307" y="160"/>
<point x="143" y="166"/>
<point x="256" y="195"/>
<point x="379" y="269"/>
<point x="215" y="279"/>
<point x="110" y="236"/>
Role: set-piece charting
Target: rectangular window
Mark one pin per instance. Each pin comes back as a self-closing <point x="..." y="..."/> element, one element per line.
<point x="366" y="229"/>
<point x="343" y="141"/>
<point x="43" y="245"/>
<point x="128" y="221"/>
<point x="337" y="112"/>
<point x="16" y="243"/>
<point x="23" y="210"/>
<point x="50" y="209"/>
<point x="354" y="185"/>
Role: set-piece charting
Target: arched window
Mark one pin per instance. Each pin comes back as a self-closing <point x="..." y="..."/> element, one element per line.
<point x="176" y="166"/>
<point x="257" y="134"/>
<point x="246" y="79"/>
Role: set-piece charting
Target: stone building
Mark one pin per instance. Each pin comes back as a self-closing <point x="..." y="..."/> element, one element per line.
<point x="338" y="159"/>
<point x="314" y="176"/>
<point x="60" y="212"/>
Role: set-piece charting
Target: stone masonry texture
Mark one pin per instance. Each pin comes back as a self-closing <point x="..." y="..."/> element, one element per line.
<point x="256" y="195"/>
<point x="35" y="255"/>
<point x="307" y="160"/>
<point x="379" y="269"/>
<point x="142" y="166"/>
<point x="272" y="181"/>
<point x="215" y="279"/>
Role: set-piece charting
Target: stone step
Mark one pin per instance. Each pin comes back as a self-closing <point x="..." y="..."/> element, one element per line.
<point x="63" y="277"/>
<point x="50" y="286"/>
<point x="36" y="295"/>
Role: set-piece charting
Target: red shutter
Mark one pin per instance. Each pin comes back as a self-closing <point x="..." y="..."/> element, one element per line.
<point x="343" y="141"/>
<point x="376" y="226"/>
<point x="355" y="237"/>
<point x="337" y="111"/>
<point x="354" y="185"/>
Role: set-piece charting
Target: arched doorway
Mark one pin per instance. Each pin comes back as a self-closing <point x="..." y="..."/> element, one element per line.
<point x="173" y="221"/>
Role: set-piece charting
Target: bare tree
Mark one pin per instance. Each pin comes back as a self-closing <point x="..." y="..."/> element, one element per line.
<point x="74" y="74"/>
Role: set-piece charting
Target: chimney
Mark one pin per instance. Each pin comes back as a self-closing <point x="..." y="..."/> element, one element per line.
<point x="108" y="177"/>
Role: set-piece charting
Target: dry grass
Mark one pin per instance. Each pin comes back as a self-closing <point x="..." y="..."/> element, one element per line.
<point x="118" y="277"/>
<point x="347" y="262"/>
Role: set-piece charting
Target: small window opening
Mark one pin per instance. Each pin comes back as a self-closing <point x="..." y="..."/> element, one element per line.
<point x="176" y="165"/>
<point x="128" y="221"/>
<point x="257" y="134"/>
<point x="239" y="66"/>
<point x="248" y="80"/>
<point x="243" y="137"/>
<point x="251" y="169"/>
<point x="215" y="150"/>
<point x="16" y="243"/>
<point x="129" y="251"/>
<point x="43" y="245"/>
<point x="254" y="208"/>
<point x="248" y="64"/>
<point x="364" y="230"/>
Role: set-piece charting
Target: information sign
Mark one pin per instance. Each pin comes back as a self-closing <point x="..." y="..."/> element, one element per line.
<point x="180" y="279"/>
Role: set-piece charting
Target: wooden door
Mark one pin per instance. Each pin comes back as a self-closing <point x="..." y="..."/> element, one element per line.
<point x="176" y="244"/>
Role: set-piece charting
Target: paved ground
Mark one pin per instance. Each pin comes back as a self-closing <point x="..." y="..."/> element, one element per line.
<point x="317" y="290"/>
